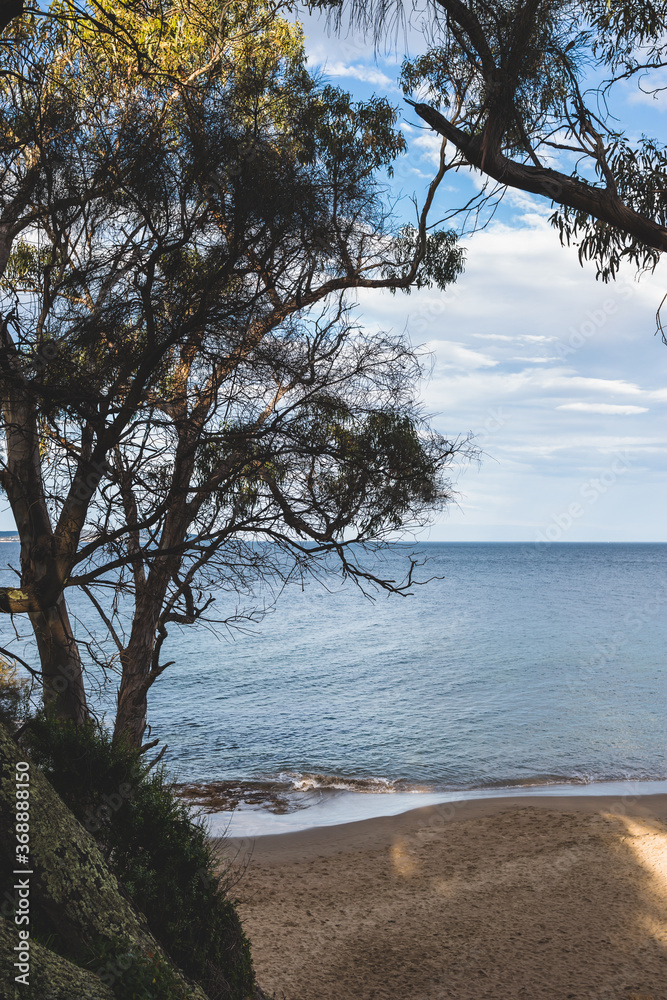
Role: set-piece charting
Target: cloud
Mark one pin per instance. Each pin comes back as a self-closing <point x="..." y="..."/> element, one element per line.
<point x="594" y="447"/>
<point x="366" y="74"/>
<point x="496" y="336"/>
<point x="571" y="382"/>
<point x="610" y="408"/>
<point x="352" y="45"/>
<point x="453" y="355"/>
<point x="521" y="294"/>
<point x="542" y="421"/>
<point x="429" y="145"/>
<point x="650" y="91"/>
<point x="534" y="361"/>
<point x="521" y="338"/>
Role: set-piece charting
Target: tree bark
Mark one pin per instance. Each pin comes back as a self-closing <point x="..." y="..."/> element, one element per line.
<point x="136" y="660"/>
<point x="139" y="668"/>
<point x="62" y="672"/>
<point x="43" y="568"/>
<point x="484" y="153"/>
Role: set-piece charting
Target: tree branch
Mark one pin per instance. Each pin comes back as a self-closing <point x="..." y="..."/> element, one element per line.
<point x="600" y="203"/>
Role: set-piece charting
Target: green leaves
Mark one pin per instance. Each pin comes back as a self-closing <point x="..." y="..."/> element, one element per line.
<point x="206" y="206"/>
<point x="442" y="259"/>
<point x="625" y="33"/>
<point x="349" y="134"/>
<point x="528" y="86"/>
<point x="24" y="266"/>
<point x="367" y="469"/>
<point x="639" y="176"/>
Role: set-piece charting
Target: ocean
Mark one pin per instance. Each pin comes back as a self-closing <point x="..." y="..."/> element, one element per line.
<point x="517" y="667"/>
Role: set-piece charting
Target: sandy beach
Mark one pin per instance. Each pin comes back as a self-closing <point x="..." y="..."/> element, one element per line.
<point x="545" y="898"/>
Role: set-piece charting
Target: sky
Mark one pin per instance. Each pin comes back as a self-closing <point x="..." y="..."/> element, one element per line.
<point x="561" y="377"/>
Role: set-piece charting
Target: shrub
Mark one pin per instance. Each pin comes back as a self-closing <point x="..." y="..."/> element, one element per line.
<point x="134" y="977"/>
<point x="154" y="847"/>
<point x="14" y="696"/>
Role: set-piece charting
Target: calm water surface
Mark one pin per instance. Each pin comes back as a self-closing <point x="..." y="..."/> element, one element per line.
<point x="520" y="665"/>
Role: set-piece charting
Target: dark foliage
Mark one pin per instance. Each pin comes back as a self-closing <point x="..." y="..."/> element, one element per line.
<point x="159" y="853"/>
<point x="132" y="976"/>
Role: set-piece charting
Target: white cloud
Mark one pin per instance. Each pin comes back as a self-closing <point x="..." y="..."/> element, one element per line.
<point x="534" y="361"/>
<point x="496" y="336"/>
<point x="650" y="90"/>
<point x="429" y="145"/>
<point x="521" y="339"/>
<point x="578" y="382"/>
<point x="351" y="45"/>
<point x="366" y="74"/>
<point x="545" y="424"/>
<point x="594" y="447"/>
<point x="453" y="355"/>
<point x="610" y="408"/>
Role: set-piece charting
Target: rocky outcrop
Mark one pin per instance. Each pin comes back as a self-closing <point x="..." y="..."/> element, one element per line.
<point x="77" y="907"/>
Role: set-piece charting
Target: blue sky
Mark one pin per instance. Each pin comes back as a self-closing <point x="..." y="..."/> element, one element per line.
<point x="560" y="376"/>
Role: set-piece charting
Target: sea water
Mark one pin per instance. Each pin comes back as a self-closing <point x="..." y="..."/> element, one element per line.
<point x="517" y="666"/>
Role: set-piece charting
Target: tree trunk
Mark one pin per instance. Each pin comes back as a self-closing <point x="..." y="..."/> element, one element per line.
<point x="9" y="10"/>
<point x="132" y="703"/>
<point x="43" y="569"/>
<point x="136" y="679"/>
<point x="138" y="659"/>
<point x="62" y="676"/>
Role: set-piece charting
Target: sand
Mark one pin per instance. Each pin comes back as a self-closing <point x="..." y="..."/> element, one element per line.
<point x="537" y="897"/>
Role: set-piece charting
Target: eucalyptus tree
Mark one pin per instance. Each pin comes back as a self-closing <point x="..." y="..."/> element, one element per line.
<point x="188" y="406"/>
<point x="525" y="92"/>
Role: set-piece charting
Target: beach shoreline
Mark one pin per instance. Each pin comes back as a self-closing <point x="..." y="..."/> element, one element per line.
<point x="267" y="813"/>
<point x="521" y="896"/>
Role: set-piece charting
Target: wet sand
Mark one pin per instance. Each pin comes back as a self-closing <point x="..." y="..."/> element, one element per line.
<point x="543" y="898"/>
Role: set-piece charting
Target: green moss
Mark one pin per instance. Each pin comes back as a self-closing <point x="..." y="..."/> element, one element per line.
<point x="52" y="977"/>
<point x="72" y="885"/>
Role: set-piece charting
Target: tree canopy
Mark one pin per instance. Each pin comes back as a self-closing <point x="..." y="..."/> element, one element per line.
<point x="524" y="90"/>
<point x="188" y="404"/>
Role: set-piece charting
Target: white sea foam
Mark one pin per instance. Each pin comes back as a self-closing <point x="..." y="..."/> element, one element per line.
<point x="310" y="782"/>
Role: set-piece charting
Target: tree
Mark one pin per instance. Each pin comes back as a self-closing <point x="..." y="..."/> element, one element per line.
<point x="187" y="403"/>
<point x="521" y="89"/>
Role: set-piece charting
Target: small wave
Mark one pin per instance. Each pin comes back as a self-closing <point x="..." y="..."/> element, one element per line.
<point x="314" y="782"/>
<point x="284" y="793"/>
<point x="226" y="796"/>
<point x="290" y="791"/>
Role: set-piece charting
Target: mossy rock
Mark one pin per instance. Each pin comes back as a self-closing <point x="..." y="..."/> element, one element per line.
<point x="74" y="898"/>
<point x="160" y="855"/>
<point x="51" y="977"/>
